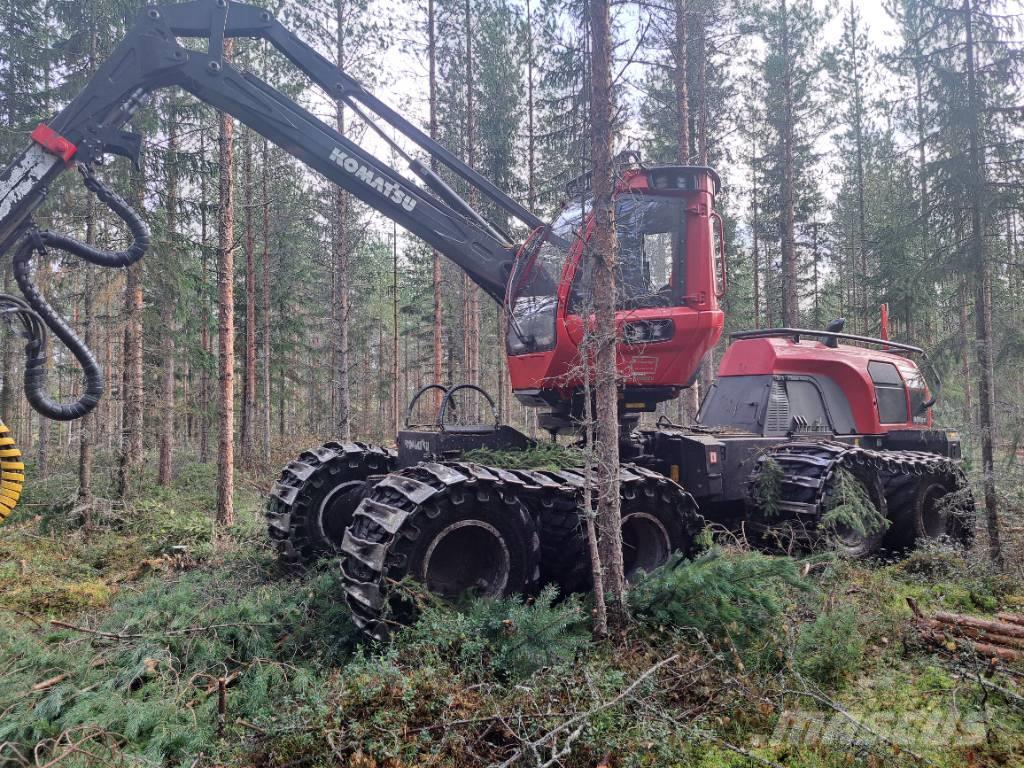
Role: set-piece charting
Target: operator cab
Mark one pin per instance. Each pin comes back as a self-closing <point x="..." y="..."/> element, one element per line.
<point x="667" y="293"/>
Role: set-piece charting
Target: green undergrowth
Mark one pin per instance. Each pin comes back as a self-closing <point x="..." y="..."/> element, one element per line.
<point x="737" y="600"/>
<point x="53" y="562"/>
<point x="851" y="508"/>
<point x="723" y="651"/>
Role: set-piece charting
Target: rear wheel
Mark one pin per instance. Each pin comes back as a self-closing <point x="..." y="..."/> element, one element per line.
<point x="861" y="539"/>
<point x="457" y="529"/>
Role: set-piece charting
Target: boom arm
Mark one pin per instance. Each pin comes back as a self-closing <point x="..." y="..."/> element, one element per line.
<point x="150" y="58"/>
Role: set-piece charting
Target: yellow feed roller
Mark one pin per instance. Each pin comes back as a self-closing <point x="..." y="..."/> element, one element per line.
<point x="12" y="472"/>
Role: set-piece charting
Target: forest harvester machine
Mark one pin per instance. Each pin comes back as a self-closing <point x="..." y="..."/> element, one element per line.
<point x="809" y="414"/>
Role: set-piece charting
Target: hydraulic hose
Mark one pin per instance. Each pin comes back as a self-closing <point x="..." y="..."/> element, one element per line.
<point x="99" y="256"/>
<point x="35" y="350"/>
<point x="39" y="309"/>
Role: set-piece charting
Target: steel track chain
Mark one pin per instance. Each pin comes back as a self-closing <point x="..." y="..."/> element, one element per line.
<point x="285" y="512"/>
<point x="808" y="467"/>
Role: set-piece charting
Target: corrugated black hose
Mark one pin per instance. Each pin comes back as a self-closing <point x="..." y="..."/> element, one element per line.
<point x="35" y="350"/>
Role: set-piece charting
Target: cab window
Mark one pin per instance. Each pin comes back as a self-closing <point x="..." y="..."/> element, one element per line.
<point x="890" y="393"/>
<point x="650" y="269"/>
<point x="534" y="295"/>
<point x="918" y="390"/>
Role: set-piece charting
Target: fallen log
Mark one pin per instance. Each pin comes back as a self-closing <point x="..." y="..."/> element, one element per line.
<point x="50" y="682"/>
<point x="974" y="633"/>
<point x="1012" y="618"/>
<point x="995" y="627"/>
<point x="987" y="650"/>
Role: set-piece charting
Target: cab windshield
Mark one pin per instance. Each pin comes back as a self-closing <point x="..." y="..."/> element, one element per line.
<point x="534" y="299"/>
<point x="651" y="232"/>
<point x="650" y="268"/>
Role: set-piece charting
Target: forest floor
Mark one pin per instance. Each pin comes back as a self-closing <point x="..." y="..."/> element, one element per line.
<point x="147" y="641"/>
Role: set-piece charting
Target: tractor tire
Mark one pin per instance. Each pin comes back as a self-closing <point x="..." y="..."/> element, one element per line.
<point x="922" y="510"/>
<point x="849" y="542"/>
<point x="561" y="529"/>
<point x="312" y="503"/>
<point x="900" y="490"/>
<point x="658" y="519"/>
<point x="456" y="528"/>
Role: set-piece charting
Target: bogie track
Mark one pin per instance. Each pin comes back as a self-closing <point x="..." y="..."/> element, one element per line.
<point x="920" y="495"/>
<point x="455" y="527"/>
<point x="458" y="527"/>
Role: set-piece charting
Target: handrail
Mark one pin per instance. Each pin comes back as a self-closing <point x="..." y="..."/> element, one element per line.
<point x="796" y="333"/>
<point x="886" y="344"/>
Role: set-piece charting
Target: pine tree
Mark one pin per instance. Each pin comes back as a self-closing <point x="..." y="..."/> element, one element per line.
<point x="790" y="30"/>
<point x="603" y="250"/>
<point x="226" y="319"/>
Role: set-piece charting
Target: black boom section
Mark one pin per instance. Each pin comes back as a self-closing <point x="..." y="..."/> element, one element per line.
<point x="150" y="58"/>
<point x="243" y="95"/>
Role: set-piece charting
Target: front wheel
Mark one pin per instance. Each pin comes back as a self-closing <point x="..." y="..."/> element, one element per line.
<point x="457" y="529"/>
<point x="313" y="501"/>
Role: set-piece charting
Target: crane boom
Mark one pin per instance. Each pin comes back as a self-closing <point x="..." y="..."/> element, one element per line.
<point x="150" y="58"/>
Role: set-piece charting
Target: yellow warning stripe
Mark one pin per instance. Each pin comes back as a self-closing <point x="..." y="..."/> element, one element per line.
<point x="11" y="473"/>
